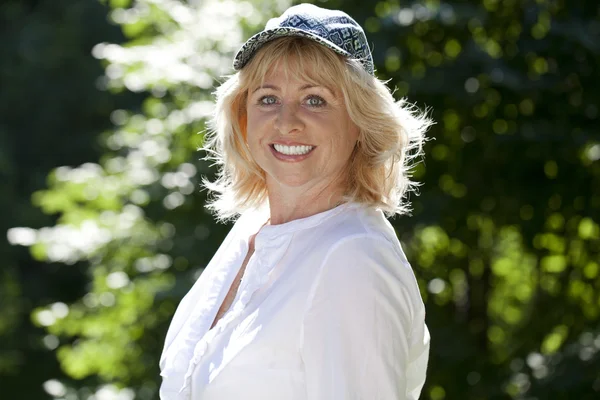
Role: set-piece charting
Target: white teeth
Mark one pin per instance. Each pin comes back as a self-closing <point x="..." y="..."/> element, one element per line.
<point x="292" y="150"/>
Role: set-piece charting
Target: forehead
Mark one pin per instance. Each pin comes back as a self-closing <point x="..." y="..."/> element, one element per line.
<point x="292" y="70"/>
<point x="283" y="76"/>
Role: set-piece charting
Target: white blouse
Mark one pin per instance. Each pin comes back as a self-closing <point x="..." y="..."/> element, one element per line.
<point x="328" y="308"/>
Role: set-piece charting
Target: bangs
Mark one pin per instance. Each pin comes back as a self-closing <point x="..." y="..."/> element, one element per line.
<point x="300" y="59"/>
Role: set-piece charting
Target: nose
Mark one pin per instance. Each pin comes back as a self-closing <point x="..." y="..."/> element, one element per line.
<point x="288" y="121"/>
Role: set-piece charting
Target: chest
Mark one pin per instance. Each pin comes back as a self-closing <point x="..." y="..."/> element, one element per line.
<point x="262" y="338"/>
<point x="257" y="323"/>
<point x="232" y="293"/>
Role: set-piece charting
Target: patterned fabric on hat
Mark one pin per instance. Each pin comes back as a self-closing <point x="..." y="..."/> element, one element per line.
<point x="331" y="28"/>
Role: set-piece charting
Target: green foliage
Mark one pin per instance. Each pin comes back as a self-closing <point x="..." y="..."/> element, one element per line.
<point x="512" y="181"/>
<point x="50" y="115"/>
<point x="505" y="237"/>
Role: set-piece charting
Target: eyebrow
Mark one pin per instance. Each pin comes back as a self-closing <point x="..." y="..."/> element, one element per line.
<point x="307" y="86"/>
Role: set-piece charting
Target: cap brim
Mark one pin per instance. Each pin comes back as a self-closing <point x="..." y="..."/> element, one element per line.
<point x="247" y="51"/>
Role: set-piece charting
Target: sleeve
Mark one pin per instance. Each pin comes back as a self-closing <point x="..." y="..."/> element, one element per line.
<point x="363" y="332"/>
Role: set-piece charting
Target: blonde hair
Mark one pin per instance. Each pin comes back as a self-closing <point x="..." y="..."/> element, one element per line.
<point x="391" y="133"/>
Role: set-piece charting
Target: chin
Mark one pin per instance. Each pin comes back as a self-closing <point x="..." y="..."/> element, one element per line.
<point x="290" y="181"/>
<point x="293" y="183"/>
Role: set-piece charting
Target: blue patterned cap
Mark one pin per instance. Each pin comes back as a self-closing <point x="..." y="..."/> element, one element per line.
<point x="333" y="29"/>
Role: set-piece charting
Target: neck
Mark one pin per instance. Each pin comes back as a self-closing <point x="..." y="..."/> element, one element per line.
<point x="289" y="204"/>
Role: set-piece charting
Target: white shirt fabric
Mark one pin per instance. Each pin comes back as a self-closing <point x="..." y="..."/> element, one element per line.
<point x="328" y="308"/>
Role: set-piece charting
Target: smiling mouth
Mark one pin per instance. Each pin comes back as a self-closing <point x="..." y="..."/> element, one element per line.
<point x="292" y="150"/>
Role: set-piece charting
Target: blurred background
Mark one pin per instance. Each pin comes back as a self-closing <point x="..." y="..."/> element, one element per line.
<point x="102" y="105"/>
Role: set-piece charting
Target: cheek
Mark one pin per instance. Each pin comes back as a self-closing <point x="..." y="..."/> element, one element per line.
<point x="256" y="123"/>
<point x="251" y="128"/>
<point x="255" y="134"/>
<point x="347" y="138"/>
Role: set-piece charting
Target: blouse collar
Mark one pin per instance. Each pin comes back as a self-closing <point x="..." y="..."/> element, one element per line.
<point x="260" y="217"/>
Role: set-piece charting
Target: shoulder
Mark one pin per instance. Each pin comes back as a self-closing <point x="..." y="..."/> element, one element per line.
<point x="355" y="221"/>
<point x="361" y="248"/>
<point x="364" y="271"/>
<point x="368" y="259"/>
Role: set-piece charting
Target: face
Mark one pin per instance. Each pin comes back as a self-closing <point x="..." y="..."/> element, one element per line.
<point x="301" y="135"/>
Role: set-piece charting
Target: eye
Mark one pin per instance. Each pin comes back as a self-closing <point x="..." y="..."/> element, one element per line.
<point x="267" y="100"/>
<point x="315" y="101"/>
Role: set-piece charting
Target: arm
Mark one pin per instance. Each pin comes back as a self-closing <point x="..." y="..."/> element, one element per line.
<point x="364" y="325"/>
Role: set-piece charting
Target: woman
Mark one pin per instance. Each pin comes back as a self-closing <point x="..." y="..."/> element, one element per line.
<point x="310" y="295"/>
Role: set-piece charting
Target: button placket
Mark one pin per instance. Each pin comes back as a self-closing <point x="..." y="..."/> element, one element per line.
<point x="269" y="249"/>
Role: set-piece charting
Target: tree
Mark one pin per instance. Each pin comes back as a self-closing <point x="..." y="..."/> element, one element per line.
<point x="505" y="233"/>
<point x="50" y="115"/>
